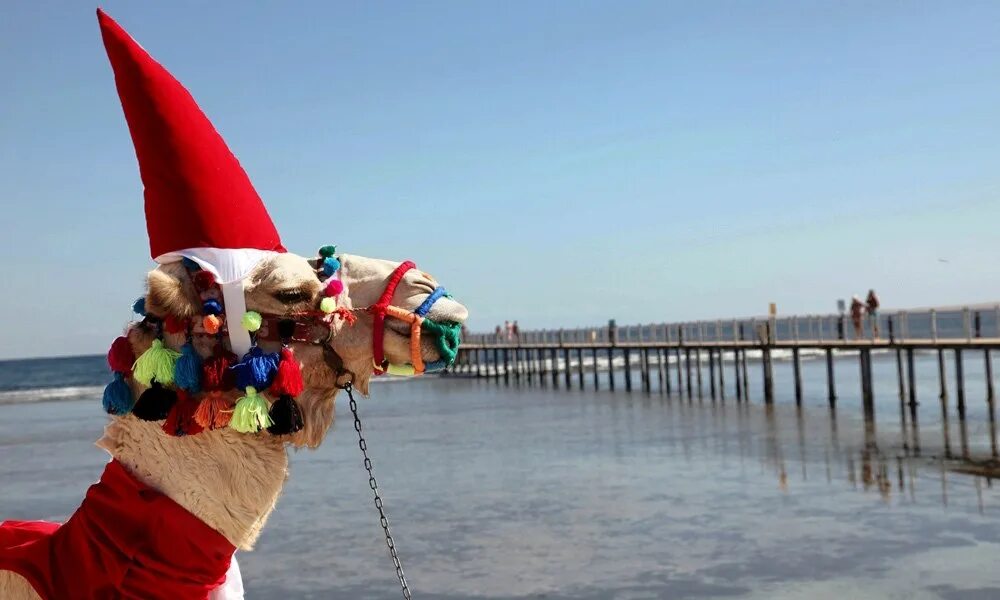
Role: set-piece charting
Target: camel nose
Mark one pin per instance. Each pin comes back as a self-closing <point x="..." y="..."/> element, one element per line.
<point x="447" y="309"/>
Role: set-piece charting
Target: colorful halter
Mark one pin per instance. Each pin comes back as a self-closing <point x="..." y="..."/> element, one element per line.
<point x="445" y="335"/>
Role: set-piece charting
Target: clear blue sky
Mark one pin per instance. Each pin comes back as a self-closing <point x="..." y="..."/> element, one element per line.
<point x="557" y="162"/>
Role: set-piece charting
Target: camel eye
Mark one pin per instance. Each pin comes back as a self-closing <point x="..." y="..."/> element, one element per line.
<point x="292" y="296"/>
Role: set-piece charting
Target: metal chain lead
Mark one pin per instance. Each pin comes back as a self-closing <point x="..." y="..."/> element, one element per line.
<point x="378" y="499"/>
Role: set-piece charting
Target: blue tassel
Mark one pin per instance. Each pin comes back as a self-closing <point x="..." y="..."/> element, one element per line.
<point x="187" y="370"/>
<point x="118" y="397"/>
<point x="211" y="307"/>
<point x="330" y="265"/>
<point x="256" y="370"/>
<point x="139" y="306"/>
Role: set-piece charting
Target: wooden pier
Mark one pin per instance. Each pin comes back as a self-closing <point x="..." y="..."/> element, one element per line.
<point x="700" y="354"/>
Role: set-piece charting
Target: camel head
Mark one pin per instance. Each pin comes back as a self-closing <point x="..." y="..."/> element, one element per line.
<point x="327" y="319"/>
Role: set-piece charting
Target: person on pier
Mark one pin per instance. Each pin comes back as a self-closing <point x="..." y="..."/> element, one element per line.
<point x="871" y="305"/>
<point x="857" y="310"/>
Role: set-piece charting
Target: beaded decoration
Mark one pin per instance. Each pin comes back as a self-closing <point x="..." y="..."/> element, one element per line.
<point x="189" y="393"/>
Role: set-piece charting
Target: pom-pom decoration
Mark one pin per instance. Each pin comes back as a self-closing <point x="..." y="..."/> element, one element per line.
<point x="203" y="280"/>
<point x="286" y="416"/>
<point x="120" y="356"/>
<point x="139" y="306"/>
<point x="330" y="265"/>
<point x="288" y="379"/>
<point x="328" y="305"/>
<point x="156" y="363"/>
<point x="251" y="413"/>
<point x="155" y="403"/>
<point x="180" y="421"/>
<point x="256" y="370"/>
<point x="187" y="371"/>
<point x="333" y="288"/>
<point x="214" y="411"/>
<point x="216" y="374"/>
<point x="251" y="321"/>
<point x="174" y="324"/>
<point x="211" y="307"/>
<point x="118" y="396"/>
<point x="211" y="324"/>
<point x="328" y="251"/>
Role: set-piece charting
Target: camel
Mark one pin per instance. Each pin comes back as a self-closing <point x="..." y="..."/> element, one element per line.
<point x="229" y="480"/>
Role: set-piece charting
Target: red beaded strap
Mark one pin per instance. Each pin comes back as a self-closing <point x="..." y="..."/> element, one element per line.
<point x="378" y="311"/>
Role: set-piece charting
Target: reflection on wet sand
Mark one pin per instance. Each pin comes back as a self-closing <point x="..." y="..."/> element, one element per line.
<point x="891" y="463"/>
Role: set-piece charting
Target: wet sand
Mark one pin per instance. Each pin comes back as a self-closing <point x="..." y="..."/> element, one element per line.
<point x="507" y="493"/>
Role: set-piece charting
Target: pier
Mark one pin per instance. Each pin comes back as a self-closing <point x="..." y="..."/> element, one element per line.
<point x="696" y="359"/>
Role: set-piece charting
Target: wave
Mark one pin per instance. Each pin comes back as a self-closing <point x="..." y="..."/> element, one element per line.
<point x="58" y="394"/>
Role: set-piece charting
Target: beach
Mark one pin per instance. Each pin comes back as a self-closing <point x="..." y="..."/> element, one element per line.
<point x="505" y="493"/>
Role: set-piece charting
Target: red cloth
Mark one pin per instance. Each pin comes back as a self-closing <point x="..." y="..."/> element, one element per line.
<point x="126" y="541"/>
<point x="197" y="194"/>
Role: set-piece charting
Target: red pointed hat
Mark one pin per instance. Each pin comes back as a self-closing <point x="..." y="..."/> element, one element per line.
<point x="200" y="203"/>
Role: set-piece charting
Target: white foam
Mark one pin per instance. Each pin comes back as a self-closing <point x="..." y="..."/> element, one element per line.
<point x="50" y="394"/>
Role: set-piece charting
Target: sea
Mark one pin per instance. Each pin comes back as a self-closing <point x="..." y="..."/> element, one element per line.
<point x="521" y="491"/>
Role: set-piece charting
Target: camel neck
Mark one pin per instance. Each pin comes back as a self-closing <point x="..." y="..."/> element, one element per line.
<point x="229" y="480"/>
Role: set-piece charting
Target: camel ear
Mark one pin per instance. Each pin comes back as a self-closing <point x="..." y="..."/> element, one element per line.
<point x="172" y="292"/>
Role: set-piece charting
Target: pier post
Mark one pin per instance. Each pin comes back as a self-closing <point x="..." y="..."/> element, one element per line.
<point x="646" y="383"/>
<point x="942" y="377"/>
<point x="912" y="375"/>
<point x="554" y="356"/>
<point x="613" y="338"/>
<point x="722" y="375"/>
<point x="593" y="357"/>
<point x="539" y="360"/>
<point x="660" y="369"/>
<point x="797" y="368"/>
<point x="988" y="367"/>
<point x="831" y="382"/>
<point x="736" y="374"/>
<point x="506" y="366"/>
<point x="680" y="372"/>
<point x="746" y="376"/>
<point x="711" y="372"/>
<point x="899" y="376"/>
<point x="868" y="398"/>
<point x="568" y="372"/>
<point x="579" y="365"/>
<point x="496" y="364"/>
<point x="517" y="364"/>
<point x="768" y="374"/>
<point x="687" y="370"/>
<point x="959" y="383"/>
<point x="628" y="368"/>
<point x="697" y="364"/>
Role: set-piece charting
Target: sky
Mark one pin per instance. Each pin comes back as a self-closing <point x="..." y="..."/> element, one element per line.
<point x="558" y="163"/>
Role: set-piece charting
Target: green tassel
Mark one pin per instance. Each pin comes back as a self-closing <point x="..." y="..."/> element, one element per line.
<point x="250" y="414"/>
<point x="156" y="363"/>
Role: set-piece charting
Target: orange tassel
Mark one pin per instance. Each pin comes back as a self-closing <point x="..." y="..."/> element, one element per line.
<point x="214" y="411"/>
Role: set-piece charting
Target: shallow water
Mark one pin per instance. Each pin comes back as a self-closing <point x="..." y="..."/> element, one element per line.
<point x="527" y="492"/>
